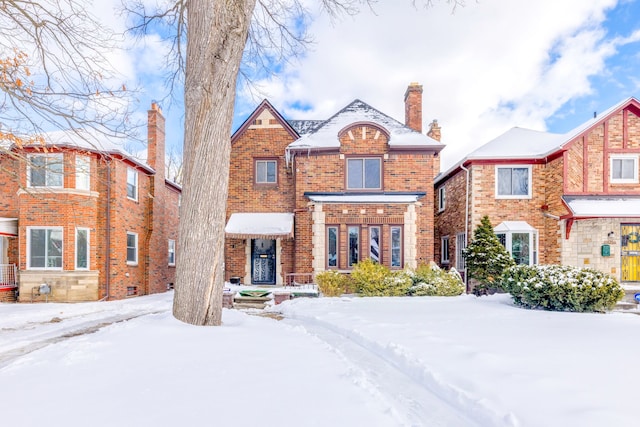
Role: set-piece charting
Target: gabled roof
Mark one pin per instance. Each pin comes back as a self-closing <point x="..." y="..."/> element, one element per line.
<point x="325" y="134"/>
<point x="249" y="121"/>
<point x="519" y="143"/>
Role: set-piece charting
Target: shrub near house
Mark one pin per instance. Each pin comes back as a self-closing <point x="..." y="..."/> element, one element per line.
<point x="562" y="288"/>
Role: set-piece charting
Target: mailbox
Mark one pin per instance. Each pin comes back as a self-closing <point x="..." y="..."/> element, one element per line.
<point x="605" y="250"/>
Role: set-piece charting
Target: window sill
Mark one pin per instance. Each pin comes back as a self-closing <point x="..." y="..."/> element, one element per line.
<point x="132" y="264"/>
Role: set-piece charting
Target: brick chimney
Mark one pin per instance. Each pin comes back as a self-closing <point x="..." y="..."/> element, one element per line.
<point x="156" y="140"/>
<point x="413" y="107"/>
<point x="434" y="130"/>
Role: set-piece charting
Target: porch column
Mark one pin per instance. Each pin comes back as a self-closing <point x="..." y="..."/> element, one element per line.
<point x="318" y="238"/>
<point x="279" y="279"/>
<point x="247" y="265"/>
<point x="410" y="237"/>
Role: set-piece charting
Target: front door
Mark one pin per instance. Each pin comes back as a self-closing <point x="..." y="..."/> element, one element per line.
<point x="263" y="261"/>
<point x="630" y="242"/>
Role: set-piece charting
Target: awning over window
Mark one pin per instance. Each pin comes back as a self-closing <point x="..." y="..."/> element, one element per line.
<point x="259" y="225"/>
<point x="9" y="227"/>
<point x="628" y="206"/>
<point x="513" y="226"/>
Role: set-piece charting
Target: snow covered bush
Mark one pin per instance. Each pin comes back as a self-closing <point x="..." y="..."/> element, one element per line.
<point x="431" y="280"/>
<point x="561" y="288"/>
<point x="372" y="279"/>
<point x="331" y="283"/>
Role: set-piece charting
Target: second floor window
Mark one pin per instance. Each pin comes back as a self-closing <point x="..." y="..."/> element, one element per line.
<point x="266" y="171"/>
<point x="624" y="169"/>
<point x="441" y="198"/>
<point x="364" y="174"/>
<point x="513" y="182"/>
<point x="132" y="184"/>
<point x="45" y="170"/>
<point x="83" y="168"/>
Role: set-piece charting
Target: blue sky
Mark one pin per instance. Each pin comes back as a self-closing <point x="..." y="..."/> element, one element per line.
<point x="491" y="65"/>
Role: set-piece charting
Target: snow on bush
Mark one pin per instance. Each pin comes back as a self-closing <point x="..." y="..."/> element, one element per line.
<point x="431" y="280"/>
<point x="561" y="288"/>
<point x="372" y="279"/>
<point x="331" y="283"/>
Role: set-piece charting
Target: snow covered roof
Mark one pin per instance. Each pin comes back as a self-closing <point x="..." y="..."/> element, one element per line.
<point x="260" y="225"/>
<point x="91" y="140"/>
<point x="305" y="126"/>
<point x="519" y="143"/>
<point x="8" y="226"/>
<point x="597" y="206"/>
<point x="364" y="198"/>
<point x="507" y="226"/>
<point x="325" y="134"/>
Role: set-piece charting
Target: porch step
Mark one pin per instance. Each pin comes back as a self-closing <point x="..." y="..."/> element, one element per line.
<point x="250" y="302"/>
<point x="626" y="305"/>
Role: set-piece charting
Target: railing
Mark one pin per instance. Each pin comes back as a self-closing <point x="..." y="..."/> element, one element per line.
<point x="299" y="279"/>
<point x="8" y="275"/>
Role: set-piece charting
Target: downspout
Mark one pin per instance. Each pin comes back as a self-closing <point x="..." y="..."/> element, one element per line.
<point x="107" y="263"/>
<point x="466" y="224"/>
<point x="147" y="262"/>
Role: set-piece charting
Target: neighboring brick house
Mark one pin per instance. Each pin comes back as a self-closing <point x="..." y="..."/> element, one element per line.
<point x="571" y="199"/>
<point x="85" y="218"/>
<point x="307" y="196"/>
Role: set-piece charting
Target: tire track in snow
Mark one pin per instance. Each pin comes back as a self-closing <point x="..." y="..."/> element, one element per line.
<point x="415" y="392"/>
<point x="9" y="352"/>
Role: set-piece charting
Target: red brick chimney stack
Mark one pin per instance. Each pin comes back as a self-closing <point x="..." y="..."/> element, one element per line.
<point x="156" y="140"/>
<point x="413" y="107"/>
<point x="434" y="130"/>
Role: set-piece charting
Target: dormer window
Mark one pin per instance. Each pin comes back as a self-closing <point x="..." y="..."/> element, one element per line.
<point x="624" y="169"/>
<point x="364" y="173"/>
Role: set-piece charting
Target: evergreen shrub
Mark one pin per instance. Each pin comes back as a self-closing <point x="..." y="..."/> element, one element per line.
<point x="561" y="288"/>
<point x="372" y="279"/>
<point x="431" y="280"/>
<point x="331" y="283"/>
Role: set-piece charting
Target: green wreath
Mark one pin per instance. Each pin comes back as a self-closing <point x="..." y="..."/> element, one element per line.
<point x="634" y="237"/>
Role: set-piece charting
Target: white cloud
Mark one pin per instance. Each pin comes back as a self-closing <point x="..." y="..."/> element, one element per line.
<point x="492" y="65"/>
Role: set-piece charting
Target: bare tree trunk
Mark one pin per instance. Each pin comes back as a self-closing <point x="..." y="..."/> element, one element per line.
<point x="216" y="36"/>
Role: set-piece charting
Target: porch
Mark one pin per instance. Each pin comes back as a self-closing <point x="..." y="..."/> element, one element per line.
<point x="8" y="282"/>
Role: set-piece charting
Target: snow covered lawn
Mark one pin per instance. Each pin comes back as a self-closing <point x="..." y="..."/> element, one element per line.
<point x="331" y="362"/>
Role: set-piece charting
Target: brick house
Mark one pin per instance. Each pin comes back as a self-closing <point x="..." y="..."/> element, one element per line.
<point x="571" y="199"/>
<point x="310" y="195"/>
<point x="85" y="218"/>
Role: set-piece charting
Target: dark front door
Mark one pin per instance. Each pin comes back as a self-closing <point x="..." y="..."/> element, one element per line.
<point x="263" y="261"/>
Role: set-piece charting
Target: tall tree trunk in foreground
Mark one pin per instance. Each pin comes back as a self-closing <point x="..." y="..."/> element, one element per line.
<point x="216" y="36"/>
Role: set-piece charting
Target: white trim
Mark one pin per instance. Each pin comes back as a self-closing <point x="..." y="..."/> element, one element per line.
<point x="442" y="198"/>
<point x="29" y="229"/>
<point x="444" y="260"/>
<point x="75" y="260"/>
<point x="516" y="196"/>
<point x="366" y="198"/>
<point x="83" y="172"/>
<point x="508" y="228"/>
<point x="130" y="233"/>
<point x="171" y="251"/>
<point x="633" y="157"/>
<point x="47" y="156"/>
<point x="135" y="184"/>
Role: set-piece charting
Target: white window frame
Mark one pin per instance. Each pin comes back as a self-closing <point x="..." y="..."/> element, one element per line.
<point x="634" y="179"/>
<point x="29" y="267"/>
<point x="364" y="173"/>
<point x="337" y="234"/>
<point x="461" y="244"/>
<point x="83" y="172"/>
<point x="400" y="231"/>
<point x="58" y="158"/>
<point x="442" y="198"/>
<point x="88" y="231"/>
<point x="135" y="235"/>
<point x="132" y="174"/>
<point x="445" y="256"/>
<point x="533" y="243"/>
<point x="514" y="196"/>
<point x="172" y="252"/>
<point x="266" y="166"/>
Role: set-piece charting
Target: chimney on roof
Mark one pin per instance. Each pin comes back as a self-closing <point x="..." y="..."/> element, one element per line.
<point x="434" y="130"/>
<point x="156" y="140"/>
<point x="413" y="107"/>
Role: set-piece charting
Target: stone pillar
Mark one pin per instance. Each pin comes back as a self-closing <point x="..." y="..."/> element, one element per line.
<point x="318" y="238"/>
<point x="410" y="237"/>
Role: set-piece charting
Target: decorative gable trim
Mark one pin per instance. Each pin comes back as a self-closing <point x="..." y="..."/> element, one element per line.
<point x="264" y="105"/>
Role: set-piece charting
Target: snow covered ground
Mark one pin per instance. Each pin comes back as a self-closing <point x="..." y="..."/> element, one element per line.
<point x="429" y="361"/>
